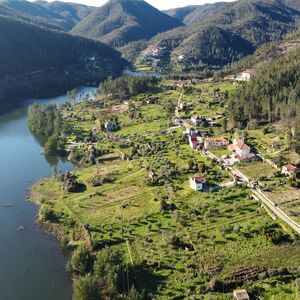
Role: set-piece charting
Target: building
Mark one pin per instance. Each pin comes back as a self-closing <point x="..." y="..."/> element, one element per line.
<point x="190" y="130"/>
<point x="215" y="143"/>
<point x="247" y="158"/>
<point x="195" y="141"/>
<point x="247" y="75"/>
<point x="152" y="175"/>
<point x="197" y="183"/>
<point x="181" y="57"/>
<point x="196" y="120"/>
<point x="109" y="126"/>
<point x="288" y="169"/>
<point x="239" y="147"/>
<point x="241" y="295"/>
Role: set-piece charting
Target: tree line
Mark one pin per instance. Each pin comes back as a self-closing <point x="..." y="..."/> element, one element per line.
<point x="126" y="86"/>
<point x="47" y="122"/>
<point x="271" y="96"/>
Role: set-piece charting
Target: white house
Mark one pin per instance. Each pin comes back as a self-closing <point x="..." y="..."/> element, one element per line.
<point x="241" y="295"/>
<point x="247" y="75"/>
<point x="288" y="169"/>
<point x="181" y="57"/>
<point x="109" y="126"/>
<point x="240" y="147"/>
<point x="195" y="141"/>
<point x="190" y="130"/>
<point x="196" y="120"/>
<point x="197" y="183"/>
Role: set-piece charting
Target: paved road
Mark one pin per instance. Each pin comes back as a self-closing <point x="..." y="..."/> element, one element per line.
<point x="276" y="209"/>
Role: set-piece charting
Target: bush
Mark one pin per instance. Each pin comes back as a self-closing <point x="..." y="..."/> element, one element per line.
<point x="87" y="288"/>
<point x="82" y="260"/>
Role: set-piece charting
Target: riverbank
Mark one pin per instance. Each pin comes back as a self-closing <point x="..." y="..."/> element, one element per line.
<point x="135" y="200"/>
<point x="29" y="259"/>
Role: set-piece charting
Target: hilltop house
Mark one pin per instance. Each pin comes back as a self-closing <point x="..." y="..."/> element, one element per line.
<point x="197" y="183"/>
<point x="288" y="169"/>
<point x="239" y="147"/>
<point x="247" y="75"/>
<point x="215" y="143"/>
<point x="241" y="295"/>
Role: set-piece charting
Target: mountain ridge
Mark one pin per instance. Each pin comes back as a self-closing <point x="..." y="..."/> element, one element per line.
<point x="119" y="22"/>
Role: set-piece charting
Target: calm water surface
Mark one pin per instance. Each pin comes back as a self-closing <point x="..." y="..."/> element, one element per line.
<point x="32" y="265"/>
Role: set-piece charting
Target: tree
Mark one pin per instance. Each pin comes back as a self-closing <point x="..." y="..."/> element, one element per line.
<point x="87" y="288"/>
<point x="82" y="260"/>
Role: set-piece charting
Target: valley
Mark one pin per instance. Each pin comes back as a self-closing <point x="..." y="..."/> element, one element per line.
<point x="175" y="172"/>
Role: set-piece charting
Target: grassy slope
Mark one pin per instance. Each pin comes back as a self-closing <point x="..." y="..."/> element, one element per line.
<point x="204" y="220"/>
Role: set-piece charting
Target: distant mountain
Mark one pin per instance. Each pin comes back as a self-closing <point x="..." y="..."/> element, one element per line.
<point x="226" y="35"/>
<point x="37" y="13"/>
<point x="195" y="13"/>
<point x="295" y="4"/>
<point x="71" y="11"/>
<point x="180" y="13"/>
<point x="266" y="54"/>
<point x="119" y="22"/>
<point x="204" y="11"/>
<point x="35" y="61"/>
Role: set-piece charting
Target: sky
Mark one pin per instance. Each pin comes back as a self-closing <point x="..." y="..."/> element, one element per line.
<point x="160" y="4"/>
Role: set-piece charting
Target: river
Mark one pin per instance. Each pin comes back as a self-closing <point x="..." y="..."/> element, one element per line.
<point x="32" y="265"/>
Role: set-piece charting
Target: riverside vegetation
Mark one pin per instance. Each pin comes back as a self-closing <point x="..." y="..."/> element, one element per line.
<point x="137" y="236"/>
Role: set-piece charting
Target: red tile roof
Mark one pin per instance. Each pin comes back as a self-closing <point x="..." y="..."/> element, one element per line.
<point x="290" y="167"/>
<point x="199" y="179"/>
<point x="242" y="145"/>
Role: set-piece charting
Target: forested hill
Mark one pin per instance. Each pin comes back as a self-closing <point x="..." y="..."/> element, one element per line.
<point x="228" y="34"/>
<point x="195" y="13"/>
<point x="265" y="54"/>
<point x="35" y="60"/>
<point x="34" y="13"/>
<point x="73" y="12"/>
<point x="181" y="13"/>
<point x="119" y="22"/>
<point x="295" y="4"/>
<point x="272" y="95"/>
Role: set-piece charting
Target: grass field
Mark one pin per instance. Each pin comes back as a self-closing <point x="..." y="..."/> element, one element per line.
<point x="204" y="238"/>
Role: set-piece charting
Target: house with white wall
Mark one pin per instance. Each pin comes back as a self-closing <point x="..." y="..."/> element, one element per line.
<point x="197" y="183"/>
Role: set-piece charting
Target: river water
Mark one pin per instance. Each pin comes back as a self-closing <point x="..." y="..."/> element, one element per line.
<point x="32" y="265"/>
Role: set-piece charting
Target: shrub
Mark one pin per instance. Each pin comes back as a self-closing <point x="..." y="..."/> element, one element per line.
<point x="82" y="260"/>
<point x="87" y="288"/>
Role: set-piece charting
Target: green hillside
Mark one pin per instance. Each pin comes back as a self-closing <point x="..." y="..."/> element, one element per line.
<point x="35" y="61"/>
<point x="73" y="12"/>
<point x="273" y="94"/>
<point x="36" y="13"/>
<point x="122" y="21"/>
<point x="227" y="35"/>
<point x="204" y="11"/>
<point x="180" y="13"/>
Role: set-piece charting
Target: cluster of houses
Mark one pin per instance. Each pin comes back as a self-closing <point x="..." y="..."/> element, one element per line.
<point x="241" y="152"/>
